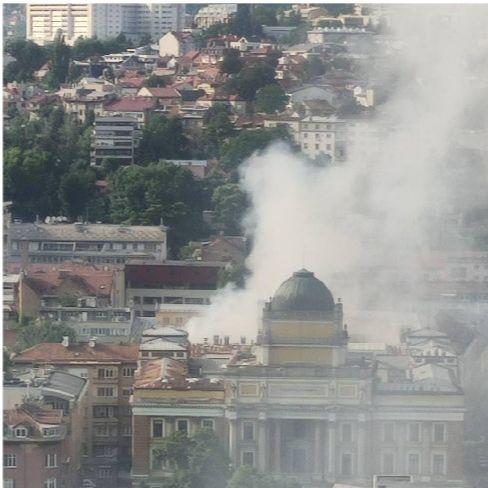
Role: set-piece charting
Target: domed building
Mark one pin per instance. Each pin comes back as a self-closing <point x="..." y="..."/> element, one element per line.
<point x="302" y="325"/>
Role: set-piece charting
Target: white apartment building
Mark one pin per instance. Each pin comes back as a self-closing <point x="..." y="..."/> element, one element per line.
<point x="215" y="13"/>
<point x="102" y="20"/>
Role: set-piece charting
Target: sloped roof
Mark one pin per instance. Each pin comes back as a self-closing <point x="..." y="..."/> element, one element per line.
<point x="56" y="353"/>
<point x="164" y="92"/>
<point x="135" y="104"/>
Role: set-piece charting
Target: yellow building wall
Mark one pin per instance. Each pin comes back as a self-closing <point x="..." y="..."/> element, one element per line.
<point x="302" y="330"/>
<point x="301" y="354"/>
<point x="179" y="395"/>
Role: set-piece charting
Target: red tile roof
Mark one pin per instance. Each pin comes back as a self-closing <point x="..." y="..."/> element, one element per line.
<point x="56" y="353"/>
<point x="33" y="415"/>
<point x="135" y="104"/>
<point x="45" y="278"/>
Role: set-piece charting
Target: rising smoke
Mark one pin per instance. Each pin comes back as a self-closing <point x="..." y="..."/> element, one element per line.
<point x="362" y="225"/>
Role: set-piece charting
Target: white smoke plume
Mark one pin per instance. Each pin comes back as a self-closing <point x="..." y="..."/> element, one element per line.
<point x="377" y="210"/>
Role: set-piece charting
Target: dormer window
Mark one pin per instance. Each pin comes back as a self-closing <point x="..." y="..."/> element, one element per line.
<point x="50" y="432"/>
<point x="20" y="432"/>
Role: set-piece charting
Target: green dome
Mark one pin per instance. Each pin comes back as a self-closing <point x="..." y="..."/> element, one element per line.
<point x="302" y="293"/>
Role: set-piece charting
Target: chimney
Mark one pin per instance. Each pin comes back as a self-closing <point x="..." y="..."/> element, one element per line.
<point x="226" y="340"/>
<point x="65" y="341"/>
<point x="92" y="342"/>
<point x="216" y="340"/>
<point x="24" y="254"/>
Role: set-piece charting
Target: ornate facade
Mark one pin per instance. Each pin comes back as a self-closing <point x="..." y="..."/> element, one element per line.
<point x="300" y="406"/>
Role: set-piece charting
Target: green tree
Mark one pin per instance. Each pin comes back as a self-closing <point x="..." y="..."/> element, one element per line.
<point x="85" y="48"/>
<point x="336" y="9"/>
<point x="163" y="138"/>
<point x="314" y="67"/>
<point x="199" y="461"/>
<point x="40" y="331"/>
<point x="146" y="194"/>
<point x="246" y="143"/>
<point x="218" y="129"/>
<point x="249" y="477"/>
<point x="145" y="39"/>
<point x="59" y="60"/>
<point x="235" y="274"/>
<point x="230" y="204"/>
<point x="76" y="188"/>
<point x="231" y="63"/>
<point x="271" y="99"/>
<point x="265" y="15"/>
<point x="29" y="57"/>
<point x="251" y="78"/>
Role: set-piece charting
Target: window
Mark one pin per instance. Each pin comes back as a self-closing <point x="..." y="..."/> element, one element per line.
<point x="413" y="463"/>
<point x="106" y="392"/>
<point x="50" y="483"/>
<point x="414" y="432"/>
<point x="248" y="458"/>
<point x="20" y="432"/>
<point x="248" y="431"/>
<point x="387" y="463"/>
<point x="8" y="483"/>
<point x="126" y="391"/>
<point x="127" y="431"/>
<point x="51" y="460"/>
<point x="299" y="429"/>
<point x="346" y="464"/>
<point x="208" y="424"/>
<point x="438" y="464"/>
<point x="103" y="411"/>
<point x="439" y="432"/>
<point x="128" y="372"/>
<point x="9" y="461"/>
<point x="317" y="146"/>
<point x="182" y="425"/>
<point x="328" y="147"/>
<point x="305" y="146"/>
<point x="388" y="432"/>
<point x="104" y="472"/>
<point x="346" y="433"/>
<point x="157" y="428"/>
<point x="50" y="432"/>
<point x="104" y="373"/>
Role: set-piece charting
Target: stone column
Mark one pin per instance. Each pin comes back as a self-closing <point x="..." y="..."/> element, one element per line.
<point x="361" y="445"/>
<point x="331" y="447"/>
<point x="277" y="446"/>
<point x="318" y="449"/>
<point x="262" y="444"/>
<point x="233" y="438"/>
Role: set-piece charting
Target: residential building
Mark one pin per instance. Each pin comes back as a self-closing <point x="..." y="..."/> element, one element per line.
<point x="43" y="431"/>
<point x="115" y="138"/>
<point x="176" y="44"/>
<point x="165" y="96"/>
<point x="150" y="284"/>
<point x="321" y="35"/>
<point x="91" y="243"/>
<point x="102" y="20"/>
<point x="215" y="13"/>
<point x="197" y="167"/>
<point x="221" y="248"/>
<point x="300" y="406"/>
<point x="197" y="403"/>
<point x="109" y="369"/>
<point x="323" y="136"/>
<point x="137" y="108"/>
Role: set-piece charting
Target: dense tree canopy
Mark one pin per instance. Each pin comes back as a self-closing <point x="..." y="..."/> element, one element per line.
<point x="163" y="138"/>
<point x="199" y="461"/>
<point x="251" y="78"/>
<point x="246" y="143"/>
<point x="271" y="99"/>
<point x="248" y="477"/>
<point x="230" y="203"/>
<point x="29" y="57"/>
<point x="32" y="333"/>
<point x="59" y="59"/>
<point x="232" y="63"/>
<point x="145" y="195"/>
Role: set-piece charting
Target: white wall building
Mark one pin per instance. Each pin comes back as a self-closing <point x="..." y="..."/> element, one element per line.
<point x="102" y="20"/>
<point x="212" y="14"/>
